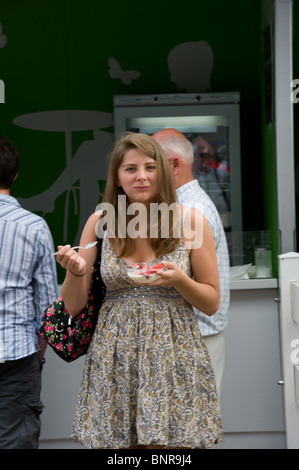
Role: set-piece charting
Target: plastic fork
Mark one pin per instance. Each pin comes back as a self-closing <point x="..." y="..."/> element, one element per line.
<point x="85" y="247"/>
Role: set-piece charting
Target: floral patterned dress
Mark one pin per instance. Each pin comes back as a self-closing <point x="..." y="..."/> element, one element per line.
<point x="147" y="377"/>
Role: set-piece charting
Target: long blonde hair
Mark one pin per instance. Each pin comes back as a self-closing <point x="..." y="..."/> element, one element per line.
<point x="166" y="192"/>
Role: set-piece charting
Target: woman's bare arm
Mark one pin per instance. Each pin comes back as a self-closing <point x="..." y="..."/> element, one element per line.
<point x="76" y="285"/>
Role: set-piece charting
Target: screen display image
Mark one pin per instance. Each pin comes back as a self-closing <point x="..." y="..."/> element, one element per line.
<point x="209" y="136"/>
<point x="211" y="123"/>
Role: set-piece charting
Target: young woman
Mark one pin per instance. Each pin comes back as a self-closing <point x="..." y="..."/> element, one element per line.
<point x="148" y="379"/>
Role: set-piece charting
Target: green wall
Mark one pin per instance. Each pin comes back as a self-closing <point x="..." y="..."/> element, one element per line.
<point x="56" y="58"/>
<point x="269" y="190"/>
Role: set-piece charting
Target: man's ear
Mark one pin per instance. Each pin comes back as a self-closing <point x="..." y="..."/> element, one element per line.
<point x="176" y="162"/>
<point x="17" y="174"/>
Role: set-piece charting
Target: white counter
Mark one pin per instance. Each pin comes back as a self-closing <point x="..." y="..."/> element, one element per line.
<point x="244" y="284"/>
<point x="251" y="399"/>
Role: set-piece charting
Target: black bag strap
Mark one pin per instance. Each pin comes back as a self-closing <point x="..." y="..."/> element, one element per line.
<point x="97" y="263"/>
<point x="98" y="288"/>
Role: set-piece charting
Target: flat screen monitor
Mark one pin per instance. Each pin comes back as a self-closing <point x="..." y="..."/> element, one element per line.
<point x="211" y="122"/>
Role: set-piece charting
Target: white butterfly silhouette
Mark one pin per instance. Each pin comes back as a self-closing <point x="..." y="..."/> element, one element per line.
<point x="126" y="76"/>
<point x="3" y="39"/>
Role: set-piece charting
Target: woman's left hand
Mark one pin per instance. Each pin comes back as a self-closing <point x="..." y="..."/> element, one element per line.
<point x="171" y="276"/>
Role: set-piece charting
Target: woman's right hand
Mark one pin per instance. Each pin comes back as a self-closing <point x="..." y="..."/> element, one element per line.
<point x="69" y="259"/>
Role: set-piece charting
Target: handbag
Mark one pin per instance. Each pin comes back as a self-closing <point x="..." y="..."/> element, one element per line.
<point x="69" y="336"/>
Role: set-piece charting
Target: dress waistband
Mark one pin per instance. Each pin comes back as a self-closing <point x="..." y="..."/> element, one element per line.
<point x="142" y="292"/>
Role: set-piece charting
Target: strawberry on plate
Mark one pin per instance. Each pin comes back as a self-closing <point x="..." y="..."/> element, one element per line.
<point x="143" y="273"/>
<point x="156" y="267"/>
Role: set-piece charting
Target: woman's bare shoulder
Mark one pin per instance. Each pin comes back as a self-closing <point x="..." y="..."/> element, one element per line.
<point x="91" y="225"/>
<point x="194" y="225"/>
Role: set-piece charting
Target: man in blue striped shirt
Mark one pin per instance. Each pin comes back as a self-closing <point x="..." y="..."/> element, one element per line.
<point x="180" y="155"/>
<point x="28" y="284"/>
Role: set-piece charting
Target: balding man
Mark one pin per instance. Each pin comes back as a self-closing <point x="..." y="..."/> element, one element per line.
<point x="179" y="151"/>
